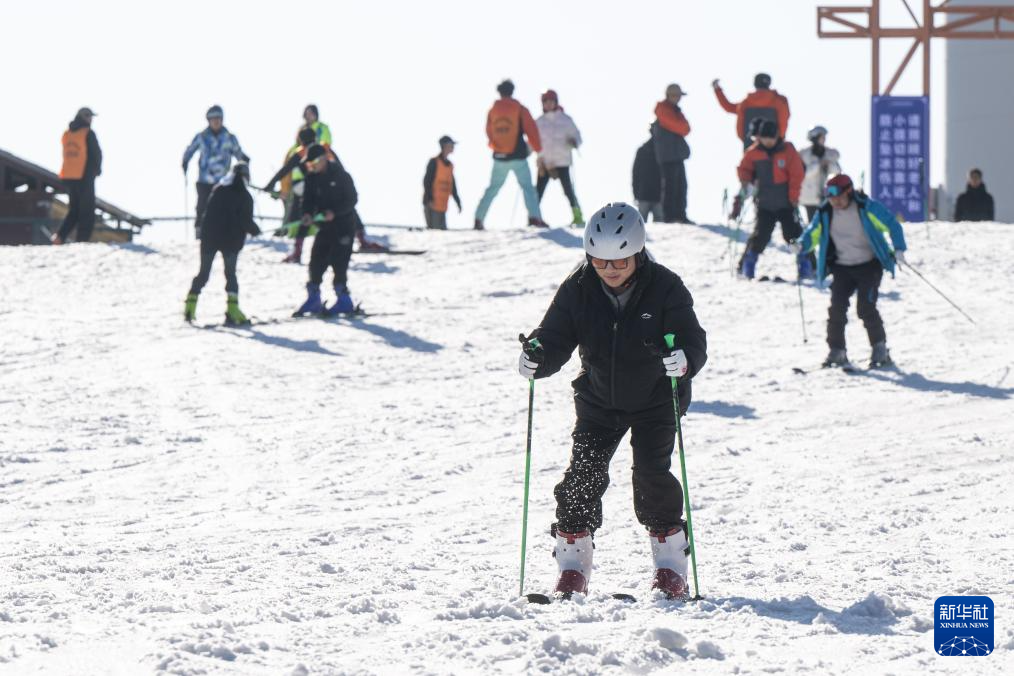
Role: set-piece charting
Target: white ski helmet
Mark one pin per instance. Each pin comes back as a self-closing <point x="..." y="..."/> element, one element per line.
<point x="816" y="132"/>
<point x="615" y="231"/>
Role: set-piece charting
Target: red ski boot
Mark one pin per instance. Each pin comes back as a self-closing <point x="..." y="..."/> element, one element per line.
<point x="670" y="550"/>
<point x="573" y="553"/>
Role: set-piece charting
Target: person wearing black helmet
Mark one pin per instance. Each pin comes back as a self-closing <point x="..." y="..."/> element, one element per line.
<point x="850" y="234"/>
<point x="616" y="308"/>
<point x="773" y="168"/>
<point x="329" y="200"/>
<point x="227" y="222"/>
<point x="218" y="146"/>
<point x="820" y="162"/>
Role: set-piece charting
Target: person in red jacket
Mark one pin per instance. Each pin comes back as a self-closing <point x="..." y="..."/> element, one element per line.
<point x="507" y="125"/>
<point x="774" y="169"/>
<point x="763" y="102"/>
<point x="669" y="132"/>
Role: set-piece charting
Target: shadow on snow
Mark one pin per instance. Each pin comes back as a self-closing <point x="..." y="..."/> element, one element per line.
<point x="917" y="381"/>
<point x="723" y="409"/>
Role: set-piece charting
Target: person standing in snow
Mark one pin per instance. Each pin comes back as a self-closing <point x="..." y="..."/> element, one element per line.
<point x="227" y="221"/>
<point x="773" y="167"/>
<point x="646" y="181"/>
<point x="763" y="102"/>
<point x="820" y="162"/>
<point x="975" y="204"/>
<point x="329" y="200"/>
<point x="507" y="125"/>
<point x="616" y="309"/>
<point x="82" y="164"/>
<point x="218" y="147"/>
<point x="560" y="137"/>
<point x="439" y="186"/>
<point x="292" y="188"/>
<point x="848" y="233"/>
<point x="669" y="131"/>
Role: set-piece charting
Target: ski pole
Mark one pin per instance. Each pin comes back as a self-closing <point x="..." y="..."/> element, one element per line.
<point x="802" y="317"/>
<point x="186" y="207"/>
<point x="941" y="293"/>
<point x="670" y="341"/>
<point x="534" y="343"/>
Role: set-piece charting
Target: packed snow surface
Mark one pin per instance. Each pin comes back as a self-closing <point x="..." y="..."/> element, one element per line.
<point x="305" y="497"/>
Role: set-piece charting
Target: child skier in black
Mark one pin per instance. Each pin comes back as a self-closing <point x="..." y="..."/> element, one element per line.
<point x="224" y="227"/>
<point x="616" y="308"/>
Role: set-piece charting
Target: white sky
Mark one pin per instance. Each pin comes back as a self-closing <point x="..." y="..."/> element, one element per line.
<point x="391" y="77"/>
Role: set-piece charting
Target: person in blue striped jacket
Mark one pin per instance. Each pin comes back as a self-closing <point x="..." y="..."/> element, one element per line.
<point x="218" y="147"/>
<point x="850" y="233"/>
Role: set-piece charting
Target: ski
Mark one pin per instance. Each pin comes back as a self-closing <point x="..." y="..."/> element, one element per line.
<point x="254" y="321"/>
<point x="847" y="368"/>
<point x="544" y="600"/>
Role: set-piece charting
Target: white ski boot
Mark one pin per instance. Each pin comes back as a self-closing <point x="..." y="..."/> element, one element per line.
<point x="573" y="554"/>
<point x="670" y="551"/>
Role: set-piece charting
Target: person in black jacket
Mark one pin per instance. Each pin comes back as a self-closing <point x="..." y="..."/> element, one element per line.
<point x="616" y="309"/>
<point x="329" y="199"/>
<point x="82" y="164"/>
<point x="647" y="182"/>
<point x="975" y="204"/>
<point x="226" y="222"/>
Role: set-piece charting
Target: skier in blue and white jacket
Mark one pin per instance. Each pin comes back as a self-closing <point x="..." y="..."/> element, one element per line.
<point x="218" y="146"/>
<point x="850" y="234"/>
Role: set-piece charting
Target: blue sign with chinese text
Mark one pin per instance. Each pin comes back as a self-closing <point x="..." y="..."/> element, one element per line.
<point x="900" y="154"/>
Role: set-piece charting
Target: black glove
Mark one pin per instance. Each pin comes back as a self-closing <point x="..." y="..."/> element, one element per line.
<point x="737" y="207"/>
<point x="254" y="230"/>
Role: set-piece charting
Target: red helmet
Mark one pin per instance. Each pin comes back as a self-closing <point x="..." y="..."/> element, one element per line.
<point x="550" y="95"/>
<point x="839" y="184"/>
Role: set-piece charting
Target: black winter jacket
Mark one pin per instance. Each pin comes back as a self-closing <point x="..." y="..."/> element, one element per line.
<point x="647" y="179"/>
<point x="93" y="161"/>
<point x="228" y="218"/>
<point x="975" y="204"/>
<point x="621" y="353"/>
<point x="333" y="190"/>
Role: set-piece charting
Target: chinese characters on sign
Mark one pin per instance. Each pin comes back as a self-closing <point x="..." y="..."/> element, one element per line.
<point x="901" y="154"/>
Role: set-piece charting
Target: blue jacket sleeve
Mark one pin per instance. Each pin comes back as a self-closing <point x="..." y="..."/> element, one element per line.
<point x="191" y="149"/>
<point x="238" y="152"/>
<point x="806" y="239"/>
<point x="893" y="226"/>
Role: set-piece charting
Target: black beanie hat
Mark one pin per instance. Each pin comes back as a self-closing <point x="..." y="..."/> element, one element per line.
<point x="762" y="81"/>
<point x="768" y="129"/>
<point x="505" y="88"/>
<point x="315" y="151"/>
<point x="307" y="136"/>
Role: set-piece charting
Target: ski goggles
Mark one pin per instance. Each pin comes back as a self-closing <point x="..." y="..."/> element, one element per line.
<point x="602" y="263"/>
<point x="835" y="191"/>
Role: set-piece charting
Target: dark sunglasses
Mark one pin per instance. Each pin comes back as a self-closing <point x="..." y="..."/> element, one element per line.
<point x="602" y="264"/>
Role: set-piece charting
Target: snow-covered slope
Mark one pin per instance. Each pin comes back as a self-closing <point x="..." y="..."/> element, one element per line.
<point x="310" y="497"/>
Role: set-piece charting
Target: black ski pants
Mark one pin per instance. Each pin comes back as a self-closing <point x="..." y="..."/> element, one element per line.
<point x="80" y="210"/>
<point x="230" y="258"/>
<point x="203" y="195"/>
<point x="864" y="281"/>
<point x="658" y="496"/>
<point x="562" y="173"/>
<point x="674" y="192"/>
<point x="332" y="247"/>
<point x="765" y="227"/>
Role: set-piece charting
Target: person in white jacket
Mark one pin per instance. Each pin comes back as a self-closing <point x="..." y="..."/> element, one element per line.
<point x="820" y="163"/>
<point x="559" y="137"/>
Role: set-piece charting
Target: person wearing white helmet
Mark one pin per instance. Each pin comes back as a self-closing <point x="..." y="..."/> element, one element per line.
<point x="820" y="163"/>
<point x="616" y="307"/>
